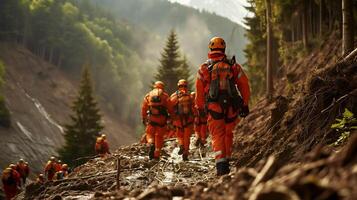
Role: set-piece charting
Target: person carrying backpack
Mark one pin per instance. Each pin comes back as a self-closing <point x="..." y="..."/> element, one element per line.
<point x="51" y="168"/>
<point x="101" y="146"/>
<point x="218" y="82"/>
<point x="23" y="168"/>
<point x="11" y="181"/>
<point x="183" y="116"/>
<point x="155" y="112"/>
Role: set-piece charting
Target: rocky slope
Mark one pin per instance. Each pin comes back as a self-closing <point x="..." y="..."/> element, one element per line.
<point x="38" y="96"/>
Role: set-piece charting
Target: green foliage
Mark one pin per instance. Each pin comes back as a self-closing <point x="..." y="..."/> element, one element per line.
<point x="344" y="127"/>
<point x="5" y="119"/>
<point x="171" y="68"/>
<point x="288" y="19"/>
<point x="85" y="125"/>
<point x="255" y="52"/>
<point x="289" y="51"/>
<point x="69" y="33"/>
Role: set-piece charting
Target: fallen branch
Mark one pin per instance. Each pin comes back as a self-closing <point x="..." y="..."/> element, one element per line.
<point x="351" y="55"/>
<point x="118" y="173"/>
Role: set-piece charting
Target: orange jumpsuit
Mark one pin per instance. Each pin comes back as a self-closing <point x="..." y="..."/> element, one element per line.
<point x="11" y="182"/>
<point x="183" y="122"/>
<point x="24" y="171"/>
<point x="200" y="126"/>
<point x="101" y="148"/>
<point x="50" y="170"/>
<point x="220" y="128"/>
<point x="156" y="119"/>
<point x="58" y="166"/>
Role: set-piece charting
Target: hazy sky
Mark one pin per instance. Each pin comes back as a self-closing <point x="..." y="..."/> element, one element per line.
<point x="232" y="9"/>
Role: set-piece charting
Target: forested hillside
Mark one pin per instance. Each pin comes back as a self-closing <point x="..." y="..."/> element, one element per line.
<point x="194" y="28"/>
<point x="75" y="34"/>
<point x="295" y="28"/>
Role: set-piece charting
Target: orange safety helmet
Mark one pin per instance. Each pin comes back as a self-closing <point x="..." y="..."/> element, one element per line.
<point x="193" y="94"/>
<point x="182" y="82"/>
<point x="159" y="85"/>
<point x="217" y="43"/>
<point x="104" y="136"/>
<point x="100" y="139"/>
<point x="12" y="166"/>
<point x="65" y="166"/>
<point x="52" y="158"/>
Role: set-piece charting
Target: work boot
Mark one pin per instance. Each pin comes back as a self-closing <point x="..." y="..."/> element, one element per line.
<point x="222" y="168"/>
<point x="151" y="151"/>
<point x="185" y="157"/>
<point x="181" y="150"/>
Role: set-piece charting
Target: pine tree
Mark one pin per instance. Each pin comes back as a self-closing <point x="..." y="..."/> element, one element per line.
<point x="185" y="73"/>
<point x="169" y="69"/>
<point x="81" y="132"/>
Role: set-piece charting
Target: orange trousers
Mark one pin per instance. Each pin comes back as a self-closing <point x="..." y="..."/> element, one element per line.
<point x="201" y="132"/>
<point x="155" y="135"/>
<point x="183" y="136"/>
<point x="221" y="132"/>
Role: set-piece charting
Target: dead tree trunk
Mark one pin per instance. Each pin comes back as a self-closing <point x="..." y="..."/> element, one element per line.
<point x="270" y="88"/>
<point x="348" y="25"/>
<point x="320" y="17"/>
<point x="305" y="31"/>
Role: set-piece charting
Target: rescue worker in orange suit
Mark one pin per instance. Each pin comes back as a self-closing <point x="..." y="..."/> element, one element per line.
<point x="11" y="181"/>
<point x="40" y="179"/>
<point x="102" y="146"/>
<point x="51" y="168"/>
<point x="200" y="125"/>
<point x="63" y="173"/>
<point x="183" y="106"/>
<point x="154" y="112"/>
<point x="23" y="170"/>
<point x="217" y="84"/>
<point x="58" y="165"/>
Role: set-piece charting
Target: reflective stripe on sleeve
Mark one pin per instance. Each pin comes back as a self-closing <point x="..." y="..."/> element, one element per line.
<point x="240" y="74"/>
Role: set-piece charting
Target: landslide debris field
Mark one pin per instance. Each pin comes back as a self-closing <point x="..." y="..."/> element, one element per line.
<point x="282" y="149"/>
<point x="137" y="173"/>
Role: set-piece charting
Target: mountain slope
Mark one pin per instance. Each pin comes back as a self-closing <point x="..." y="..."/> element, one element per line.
<point x="194" y="28"/>
<point x="39" y="96"/>
<point x="232" y="9"/>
